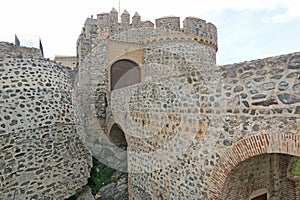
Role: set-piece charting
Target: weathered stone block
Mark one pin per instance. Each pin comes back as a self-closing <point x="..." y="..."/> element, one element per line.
<point x="288" y="98"/>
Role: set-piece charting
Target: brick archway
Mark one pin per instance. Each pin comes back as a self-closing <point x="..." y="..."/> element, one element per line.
<point x="247" y="148"/>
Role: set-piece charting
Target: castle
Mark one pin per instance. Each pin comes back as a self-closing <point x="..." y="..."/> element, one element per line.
<point x="150" y="99"/>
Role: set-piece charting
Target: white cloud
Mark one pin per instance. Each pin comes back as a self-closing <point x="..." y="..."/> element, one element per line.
<point x="289" y="8"/>
<point x="59" y="22"/>
<point x="291" y="13"/>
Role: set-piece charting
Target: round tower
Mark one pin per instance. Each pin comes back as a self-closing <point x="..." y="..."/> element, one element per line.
<point x="168" y="49"/>
<point x="173" y="51"/>
<point x="149" y="68"/>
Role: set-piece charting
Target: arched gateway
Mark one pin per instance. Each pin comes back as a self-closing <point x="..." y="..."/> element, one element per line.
<point x="259" y="165"/>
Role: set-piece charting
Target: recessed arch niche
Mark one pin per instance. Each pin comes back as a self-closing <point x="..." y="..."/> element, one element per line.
<point x="117" y="135"/>
<point x="118" y="138"/>
<point x="124" y="73"/>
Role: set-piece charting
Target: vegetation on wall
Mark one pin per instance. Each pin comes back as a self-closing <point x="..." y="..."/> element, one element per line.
<point x="297" y="170"/>
<point x="101" y="175"/>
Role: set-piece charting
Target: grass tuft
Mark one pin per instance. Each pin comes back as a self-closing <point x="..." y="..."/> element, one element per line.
<point x="100" y="176"/>
<point x="297" y="170"/>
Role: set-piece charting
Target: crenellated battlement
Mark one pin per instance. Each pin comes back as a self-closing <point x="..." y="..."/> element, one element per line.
<point x="107" y="24"/>
<point x="126" y="29"/>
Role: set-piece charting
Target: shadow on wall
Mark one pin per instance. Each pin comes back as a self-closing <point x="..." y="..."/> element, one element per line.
<point x="124" y="73"/>
<point x="117" y="136"/>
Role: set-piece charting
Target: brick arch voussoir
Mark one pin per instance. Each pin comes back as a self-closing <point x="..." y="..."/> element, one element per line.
<point x="247" y="148"/>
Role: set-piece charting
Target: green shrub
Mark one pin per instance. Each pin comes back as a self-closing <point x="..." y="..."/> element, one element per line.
<point x="100" y="176"/>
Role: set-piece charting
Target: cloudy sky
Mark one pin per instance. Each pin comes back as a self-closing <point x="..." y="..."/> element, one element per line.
<point x="247" y="29"/>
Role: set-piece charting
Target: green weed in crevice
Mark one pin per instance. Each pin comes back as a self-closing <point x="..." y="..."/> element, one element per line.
<point x="101" y="175"/>
<point x="297" y="169"/>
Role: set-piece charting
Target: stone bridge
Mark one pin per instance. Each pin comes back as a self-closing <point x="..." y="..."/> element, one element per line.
<point x="193" y="129"/>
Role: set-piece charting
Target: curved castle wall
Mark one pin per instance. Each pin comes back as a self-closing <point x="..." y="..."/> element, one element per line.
<point x="188" y="133"/>
<point x="191" y="124"/>
<point x="41" y="156"/>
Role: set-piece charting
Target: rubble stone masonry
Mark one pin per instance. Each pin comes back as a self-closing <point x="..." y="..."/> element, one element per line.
<point x="41" y="156"/>
<point x="193" y="128"/>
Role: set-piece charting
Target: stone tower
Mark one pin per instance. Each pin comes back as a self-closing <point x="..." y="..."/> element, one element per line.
<point x="150" y="100"/>
<point x="116" y="58"/>
<point x="192" y="129"/>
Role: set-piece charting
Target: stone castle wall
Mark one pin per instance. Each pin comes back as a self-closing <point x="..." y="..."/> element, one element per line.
<point x="262" y="112"/>
<point x="194" y="130"/>
<point x="189" y="124"/>
<point x="106" y="26"/>
<point x="168" y="58"/>
<point x="8" y="49"/>
<point x="185" y="133"/>
<point x="41" y="154"/>
<point x="92" y="93"/>
<point x="266" y="173"/>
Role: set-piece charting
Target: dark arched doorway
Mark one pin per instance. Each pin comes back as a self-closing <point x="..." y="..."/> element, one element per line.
<point x="117" y="136"/>
<point x="261" y="177"/>
<point x="124" y="73"/>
